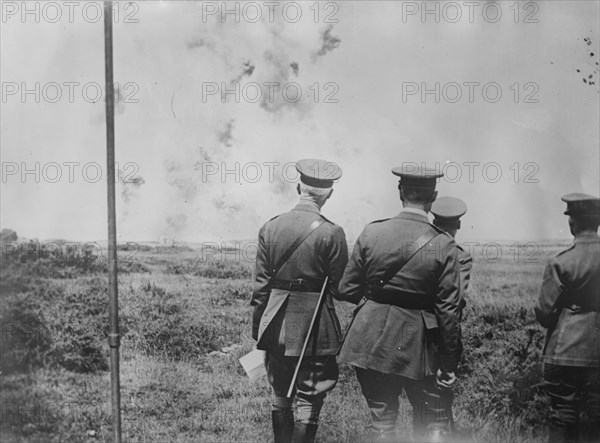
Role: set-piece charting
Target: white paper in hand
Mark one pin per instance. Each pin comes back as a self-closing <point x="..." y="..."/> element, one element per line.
<point x="254" y="364"/>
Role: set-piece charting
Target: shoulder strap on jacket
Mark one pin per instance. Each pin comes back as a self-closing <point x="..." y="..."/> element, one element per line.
<point x="287" y="254"/>
<point x="421" y="241"/>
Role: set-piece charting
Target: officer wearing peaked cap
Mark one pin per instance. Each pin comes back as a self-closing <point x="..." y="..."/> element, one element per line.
<point x="404" y="275"/>
<point x="296" y="252"/>
<point x="569" y="306"/>
<point x="447" y="212"/>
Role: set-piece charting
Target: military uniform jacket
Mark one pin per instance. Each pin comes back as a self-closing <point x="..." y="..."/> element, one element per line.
<point x="466" y="265"/>
<point x="569" y="305"/>
<point x="282" y="316"/>
<point x="385" y="337"/>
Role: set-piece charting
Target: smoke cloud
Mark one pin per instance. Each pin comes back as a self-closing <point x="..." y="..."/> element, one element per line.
<point x="215" y="113"/>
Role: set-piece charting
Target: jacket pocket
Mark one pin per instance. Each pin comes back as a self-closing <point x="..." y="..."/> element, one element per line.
<point x="430" y="320"/>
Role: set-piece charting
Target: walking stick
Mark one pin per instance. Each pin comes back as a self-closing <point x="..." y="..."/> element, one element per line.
<point x="312" y="323"/>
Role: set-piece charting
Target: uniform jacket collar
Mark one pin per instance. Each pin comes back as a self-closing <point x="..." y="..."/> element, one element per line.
<point x="415" y="211"/>
<point x="586" y="238"/>
<point x="307" y="206"/>
<point x="410" y="215"/>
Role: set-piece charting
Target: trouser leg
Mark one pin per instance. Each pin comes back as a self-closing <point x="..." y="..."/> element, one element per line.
<point x="431" y="408"/>
<point x="381" y="392"/>
<point x="316" y="377"/>
<point x="564" y="411"/>
<point x="591" y="403"/>
<point x="282" y="416"/>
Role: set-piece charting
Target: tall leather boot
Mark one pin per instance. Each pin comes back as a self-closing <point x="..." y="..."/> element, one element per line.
<point x="304" y="433"/>
<point x="283" y="425"/>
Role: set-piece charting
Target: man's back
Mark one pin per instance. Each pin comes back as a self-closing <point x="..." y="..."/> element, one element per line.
<point x="311" y="260"/>
<point x="572" y="280"/>
<point x="580" y="267"/>
<point x="283" y="304"/>
<point x="569" y="307"/>
<point x="393" y="337"/>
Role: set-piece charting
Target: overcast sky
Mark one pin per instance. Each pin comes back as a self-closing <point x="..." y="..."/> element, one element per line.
<point x="361" y="68"/>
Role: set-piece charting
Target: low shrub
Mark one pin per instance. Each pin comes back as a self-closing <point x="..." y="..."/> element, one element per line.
<point x="158" y="322"/>
<point x="80" y="338"/>
<point x="45" y="325"/>
<point x="25" y="338"/>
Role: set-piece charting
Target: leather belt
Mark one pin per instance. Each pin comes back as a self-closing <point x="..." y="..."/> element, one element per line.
<point x="577" y="308"/>
<point x="298" y="285"/>
<point x="402" y="299"/>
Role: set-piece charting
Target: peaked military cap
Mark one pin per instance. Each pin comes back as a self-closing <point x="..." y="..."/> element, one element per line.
<point x="448" y="211"/>
<point x="413" y="175"/>
<point x="318" y="173"/>
<point x="582" y="204"/>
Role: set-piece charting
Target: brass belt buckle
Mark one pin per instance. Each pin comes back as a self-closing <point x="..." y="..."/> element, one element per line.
<point x="575" y="309"/>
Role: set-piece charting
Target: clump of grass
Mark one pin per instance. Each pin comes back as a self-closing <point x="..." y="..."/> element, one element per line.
<point x="25" y="336"/>
<point x="157" y="322"/>
<point x="231" y="293"/>
<point x="66" y="266"/>
<point x="501" y="367"/>
<point x="80" y="339"/>
<point x="213" y="268"/>
<point x="45" y="324"/>
<point x="55" y="405"/>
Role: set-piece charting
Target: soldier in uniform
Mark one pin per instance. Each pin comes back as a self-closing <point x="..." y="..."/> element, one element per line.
<point x="404" y="276"/>
<point x="569" y="306"/>
<point x="296" y="252"/>
<point x="447" y="212"/>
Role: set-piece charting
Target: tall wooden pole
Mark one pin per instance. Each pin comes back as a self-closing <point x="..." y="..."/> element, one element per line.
<point x="113" y="334"/>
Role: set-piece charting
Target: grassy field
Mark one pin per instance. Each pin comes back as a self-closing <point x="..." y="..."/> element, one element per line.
<point x="185" y="322"/>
